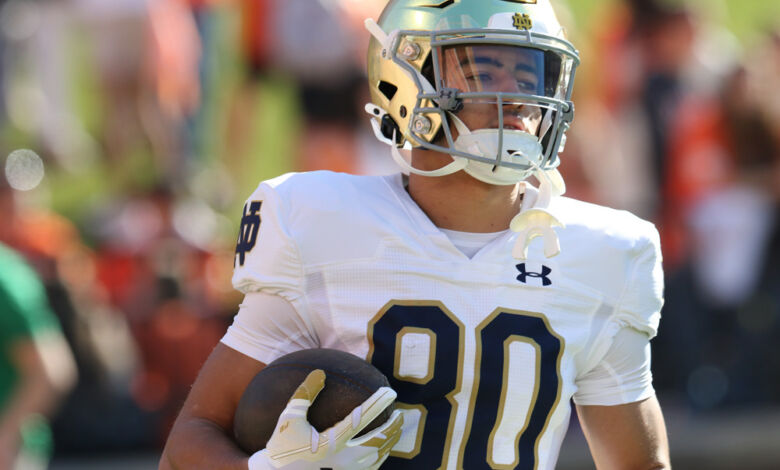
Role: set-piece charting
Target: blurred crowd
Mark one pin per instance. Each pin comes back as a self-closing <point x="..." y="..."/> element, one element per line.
<point x="680" y="124"/>
<point x="154" y="119"/>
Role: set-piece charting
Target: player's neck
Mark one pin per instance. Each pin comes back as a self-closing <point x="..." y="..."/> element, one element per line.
<point x="460" y="202"/>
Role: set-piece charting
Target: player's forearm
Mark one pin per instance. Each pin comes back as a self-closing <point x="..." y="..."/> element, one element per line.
<point x="631" y="435"/>
<point x="197" y="443"/>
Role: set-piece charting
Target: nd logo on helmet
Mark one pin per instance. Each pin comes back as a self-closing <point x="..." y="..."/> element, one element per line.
<point x="522" y="21"/>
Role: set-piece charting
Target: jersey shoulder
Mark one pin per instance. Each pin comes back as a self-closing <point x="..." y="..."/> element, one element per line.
<point x="324" y="189"/>
<point x="619" y="227"/>
<point x="332" y="216"/>
<point x="616" y="253"/>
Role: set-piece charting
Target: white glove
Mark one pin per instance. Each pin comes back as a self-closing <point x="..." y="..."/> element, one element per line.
<point x="296" y="445"/>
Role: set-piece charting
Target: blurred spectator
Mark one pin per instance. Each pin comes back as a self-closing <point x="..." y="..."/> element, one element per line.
<point x="3" y="67"/>
<point x="155" y="253"/>
<point x="257" y="30"/>
<point x="38" y="80"/>
<point x="674" y="130"/>
<point x="653" y="55"/>
<point x="36" y="366"/>
<point x="254" y="43"/>
<point x="204" y="13"/>
<point x="316" y="48"/>
<point x="146" y="55"/>
<point x="117" y="32"/>
<point x="321" y="44"/>
<point x="105" y="353"/>
<point x="723" y="305"/>
<point x="666" y="39"/>
<point x="172" y="68"/>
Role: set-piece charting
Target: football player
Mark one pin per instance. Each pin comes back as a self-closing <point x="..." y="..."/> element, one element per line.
<point x="489" y="303"/>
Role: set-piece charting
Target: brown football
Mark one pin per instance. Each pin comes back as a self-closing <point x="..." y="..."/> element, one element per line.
<point x="349" y="381"/>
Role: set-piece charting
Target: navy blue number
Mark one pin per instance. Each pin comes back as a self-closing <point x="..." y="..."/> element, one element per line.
<point x="436" y="394"/>
<point x="486" y="412"/>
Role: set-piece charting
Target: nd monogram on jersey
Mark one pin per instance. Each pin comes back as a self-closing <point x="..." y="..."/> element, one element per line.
<point x="485" y="352"/>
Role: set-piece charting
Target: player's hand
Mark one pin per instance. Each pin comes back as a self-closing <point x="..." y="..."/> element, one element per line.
<point x="296" y="445"/>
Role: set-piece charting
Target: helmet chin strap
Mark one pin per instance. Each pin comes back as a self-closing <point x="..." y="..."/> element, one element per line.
<point x="457" y="164"/>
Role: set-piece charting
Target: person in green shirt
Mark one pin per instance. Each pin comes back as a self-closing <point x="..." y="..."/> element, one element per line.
<point x="36" y="365"/>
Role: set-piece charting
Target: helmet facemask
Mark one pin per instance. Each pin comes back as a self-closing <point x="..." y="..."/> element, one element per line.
<point x="499" y="124"/>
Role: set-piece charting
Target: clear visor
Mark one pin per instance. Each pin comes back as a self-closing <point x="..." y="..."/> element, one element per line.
<point x="506" y="69"/>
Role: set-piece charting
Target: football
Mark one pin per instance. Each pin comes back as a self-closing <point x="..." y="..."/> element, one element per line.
<point x="349" y="381"/>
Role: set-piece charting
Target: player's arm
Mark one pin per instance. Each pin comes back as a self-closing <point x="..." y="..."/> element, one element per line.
<point x="630" y="436"/>
<point x="618" y="409"/>
<point x="201" y="435"/>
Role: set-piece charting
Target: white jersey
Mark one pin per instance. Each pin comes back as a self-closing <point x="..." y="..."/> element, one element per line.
<point x="484" y="352"/>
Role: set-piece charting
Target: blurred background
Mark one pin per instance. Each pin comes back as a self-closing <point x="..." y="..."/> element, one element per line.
<point x="131" y="131"/>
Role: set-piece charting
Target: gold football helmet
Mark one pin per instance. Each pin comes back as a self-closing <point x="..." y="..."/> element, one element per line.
<point x="488" y="82"/>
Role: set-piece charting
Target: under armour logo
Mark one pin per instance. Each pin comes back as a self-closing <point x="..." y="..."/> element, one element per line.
<point x="449" y="100"/>
<point x="525" y="274"/>
<point x="247" y="234"/>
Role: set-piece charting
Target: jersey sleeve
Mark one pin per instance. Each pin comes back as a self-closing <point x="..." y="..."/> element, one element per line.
<point x="616" y="368"/>
<point x="622" y="376"/>
<point x="267" y="326"/>
<point x="640" y="303"/>
<point x="267" y="259"/>
<point x="274" y="317"/>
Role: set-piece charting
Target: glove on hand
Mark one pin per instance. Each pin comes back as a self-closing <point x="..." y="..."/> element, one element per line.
<point x="296" y="445"/>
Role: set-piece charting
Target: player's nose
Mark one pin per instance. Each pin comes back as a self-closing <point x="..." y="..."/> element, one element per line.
<point x="506" y="83"/>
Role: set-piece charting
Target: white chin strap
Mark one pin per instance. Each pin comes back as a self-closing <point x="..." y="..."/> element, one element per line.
<point x="457" y="164"/>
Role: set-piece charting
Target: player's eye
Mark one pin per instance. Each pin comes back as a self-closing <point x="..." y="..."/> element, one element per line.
<point x="527" y="85"/>
<point x="482" y="77"/>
